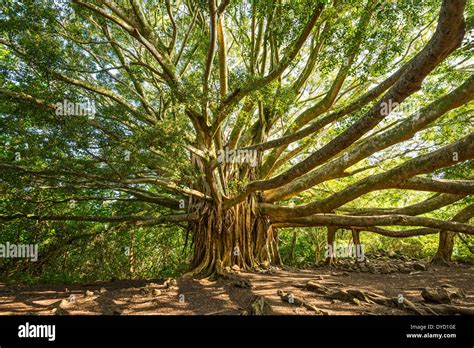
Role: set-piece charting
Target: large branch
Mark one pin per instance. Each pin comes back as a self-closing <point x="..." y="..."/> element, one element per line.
<point x="404" y="131"/>
<point x="104" y="92"/>
<point x="26" y="98"/>
<point x="333" y="116"/>
<point x="210" y="54"/>
<point x="138" y="220"/>
<point x="445" y="186"/>
<point x="137" y="197"/>
<point x="379" y="220"/>
<point x="449" y="155"/>
<point x="56" y="173"/>
<point x="447" y="37"/>
<point x="152" y="43"/>
<point x="463" y="216"/>
<point x="330" y="97"/>
<point x="433" y="203"/>
<point x="252" y="86"/>
<point x="222" y="58"/>
<point x="145" y="36"/>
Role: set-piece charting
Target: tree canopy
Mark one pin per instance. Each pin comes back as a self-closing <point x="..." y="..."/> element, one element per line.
<point x="233" y="119"/>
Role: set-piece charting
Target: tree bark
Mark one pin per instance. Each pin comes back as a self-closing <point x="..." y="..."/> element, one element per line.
<point x="446" y="238"/>
<point x="445" y="248"/>
<point x="236" y="236"/>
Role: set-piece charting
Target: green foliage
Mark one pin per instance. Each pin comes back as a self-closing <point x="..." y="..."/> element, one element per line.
<point x="310" y="246"/>
<point x="74" y="252"/>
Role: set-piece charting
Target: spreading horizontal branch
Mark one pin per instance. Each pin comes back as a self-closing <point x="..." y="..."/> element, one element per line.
<point x="138" y="220"/>
<point x="433" y="203"/>
<point x="27" y="98"/>
<point x="403" y="131"/>
<point x="97" y="178"/>
<point x="462" y="216"/>
<point x="445" y="186"/>
<point x="449" y="155"/>
<point x="379" y="220"/>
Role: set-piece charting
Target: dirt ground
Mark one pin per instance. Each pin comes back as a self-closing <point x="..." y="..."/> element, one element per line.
<point x="231" y="295"/>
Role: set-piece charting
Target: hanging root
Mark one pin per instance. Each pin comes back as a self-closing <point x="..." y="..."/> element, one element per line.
<point x="236" y="236"/>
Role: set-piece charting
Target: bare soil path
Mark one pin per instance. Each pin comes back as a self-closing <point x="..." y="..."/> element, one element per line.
<point x="232" y="296"/>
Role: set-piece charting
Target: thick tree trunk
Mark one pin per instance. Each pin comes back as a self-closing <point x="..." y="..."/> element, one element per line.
<point x="445" y="248"/>
<point x="236" y="236"/>
<point x="224" y="237"/>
